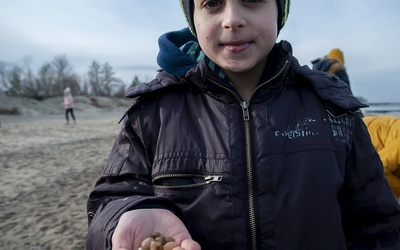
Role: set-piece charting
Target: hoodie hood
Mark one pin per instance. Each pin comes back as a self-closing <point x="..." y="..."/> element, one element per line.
<point x="170" y="57"/>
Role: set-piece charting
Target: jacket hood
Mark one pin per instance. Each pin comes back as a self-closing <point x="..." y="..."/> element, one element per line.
<point x="170" y="58"/>
<point x="330" y="88"/>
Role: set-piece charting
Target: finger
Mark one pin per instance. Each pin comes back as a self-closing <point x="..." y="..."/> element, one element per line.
<point x="190" y="244"/>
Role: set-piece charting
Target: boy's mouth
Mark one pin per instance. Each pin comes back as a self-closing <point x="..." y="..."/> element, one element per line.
<point x="236" y="46"/>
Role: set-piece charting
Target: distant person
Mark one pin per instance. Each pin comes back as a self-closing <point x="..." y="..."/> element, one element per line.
<point x="385" y="136"/>
<point x="68" y="104"/>
<point x="333" y="63"/>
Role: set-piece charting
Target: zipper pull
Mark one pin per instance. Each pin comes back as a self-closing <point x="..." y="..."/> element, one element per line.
<point x="245" y="109"/>
<point x="212" y="178"/>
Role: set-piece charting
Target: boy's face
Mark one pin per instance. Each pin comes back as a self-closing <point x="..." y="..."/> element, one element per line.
<point x="236" y="34"/>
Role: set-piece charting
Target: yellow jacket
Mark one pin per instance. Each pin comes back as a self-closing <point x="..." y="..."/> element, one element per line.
<point x="385" y="135"/>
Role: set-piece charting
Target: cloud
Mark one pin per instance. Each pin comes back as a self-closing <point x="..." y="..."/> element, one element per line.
<point x="124" y="33"/>
<point x="366" y="31"/>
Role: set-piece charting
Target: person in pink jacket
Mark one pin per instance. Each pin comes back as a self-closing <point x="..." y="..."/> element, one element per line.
<point x="68" y="104"/>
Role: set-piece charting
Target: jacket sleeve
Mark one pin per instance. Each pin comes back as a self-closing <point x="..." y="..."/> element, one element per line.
<point x="370" y="213"/>
<point x="390" y="156"/>
<point x="124" y="185"/>
<point x="385" y="135"/>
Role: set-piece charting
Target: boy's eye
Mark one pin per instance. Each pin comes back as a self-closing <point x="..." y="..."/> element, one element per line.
<point x="214" y="4"/>
<point x="211" y="3"/>
<point x="251" y="1"/>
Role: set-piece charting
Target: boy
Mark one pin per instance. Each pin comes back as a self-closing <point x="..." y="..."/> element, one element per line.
<point x="236" y="146"/>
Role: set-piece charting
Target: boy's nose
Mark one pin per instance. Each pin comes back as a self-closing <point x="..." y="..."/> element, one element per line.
<point x="233" y="16"/>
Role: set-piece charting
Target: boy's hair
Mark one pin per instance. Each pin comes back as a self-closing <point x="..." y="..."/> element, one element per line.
<point x="283" y="12"/>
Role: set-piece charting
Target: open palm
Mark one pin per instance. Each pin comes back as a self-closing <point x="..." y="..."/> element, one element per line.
<point x="136" y="225"/>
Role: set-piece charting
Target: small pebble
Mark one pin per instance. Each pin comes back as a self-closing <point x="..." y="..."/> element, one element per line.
<point x="146" y="243"/>
<point x="156" y="241"/>
<point x="169" y="245"/>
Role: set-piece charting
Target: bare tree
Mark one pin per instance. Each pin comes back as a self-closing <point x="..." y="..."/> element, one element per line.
<point x="62" y="72"/>
<point x="94" y="78"/>
<point x="29" y="86"/>
<point x="46" y="80"/>
<point x="85" y="88"/>
<point x="109" y="82"/>
<point x="53" y="77"/>
<point x="15" y="81"/>
<point x="4" y="76"/>
<point x="72" y="81"/>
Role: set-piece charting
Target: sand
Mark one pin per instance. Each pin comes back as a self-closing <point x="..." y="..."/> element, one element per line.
<point x="48" y="169"/>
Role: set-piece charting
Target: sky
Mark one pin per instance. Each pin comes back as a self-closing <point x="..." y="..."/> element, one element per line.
<point x="124" y="33"/>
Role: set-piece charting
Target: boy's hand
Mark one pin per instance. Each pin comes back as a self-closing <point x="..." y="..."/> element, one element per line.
<point x="136" y="225"/>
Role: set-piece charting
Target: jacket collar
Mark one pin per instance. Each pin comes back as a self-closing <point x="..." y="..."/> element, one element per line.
<point x="178" y="66"/>
<point x="170" y="57"/>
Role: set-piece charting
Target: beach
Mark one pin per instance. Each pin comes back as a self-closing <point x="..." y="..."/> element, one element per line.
<point x="48" y="170"/>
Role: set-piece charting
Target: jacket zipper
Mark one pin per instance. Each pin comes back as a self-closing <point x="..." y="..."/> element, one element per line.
<point x="250" y="184"/>
<point x="246" y="118"/>
<point x="207" y="180"/>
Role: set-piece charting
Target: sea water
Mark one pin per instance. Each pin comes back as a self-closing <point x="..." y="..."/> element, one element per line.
<point x="382" y="108"/>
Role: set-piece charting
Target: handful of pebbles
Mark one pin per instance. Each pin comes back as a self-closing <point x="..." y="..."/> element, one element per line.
<point x="156" y="241"/>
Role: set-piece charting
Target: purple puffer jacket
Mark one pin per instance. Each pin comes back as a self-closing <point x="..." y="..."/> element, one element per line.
<point x="293" y="168"/>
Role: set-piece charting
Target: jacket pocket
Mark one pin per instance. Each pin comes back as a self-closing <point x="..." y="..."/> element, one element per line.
<point x="184" y="181"/>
